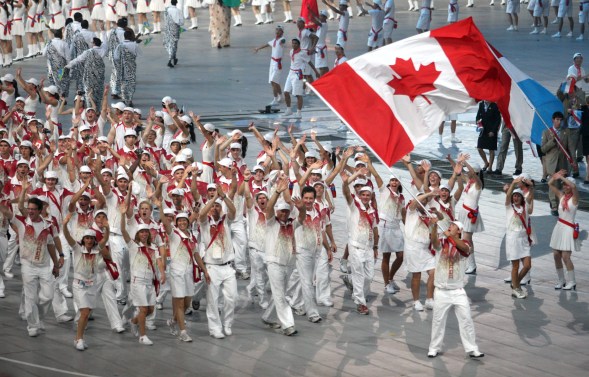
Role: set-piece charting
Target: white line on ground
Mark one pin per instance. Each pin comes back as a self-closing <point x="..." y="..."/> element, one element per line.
<point x="46" y="368"/>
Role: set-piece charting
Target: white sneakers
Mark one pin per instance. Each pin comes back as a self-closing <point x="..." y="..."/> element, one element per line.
<point x="556" y="35"/>
<point x="66" y="293"/>
<point x="145" y="341"/>
<point x="429" y="304"/>
<point x="417" y="306"/>
<point x="392" y="288"/>
<point x="580" y="37"/>
<point x="64" y="318"/>
<point x="228" y="331"/>
<point x="9" y="275"/>
<point x="218" y="335"/>
<point x="79" y="344"/>
<point x="518" y="293"/>
<point x="185" y="337"/>
<point x="172" y="325"/>
<point x="287" y="113"/>
<point x="2" y="295"/>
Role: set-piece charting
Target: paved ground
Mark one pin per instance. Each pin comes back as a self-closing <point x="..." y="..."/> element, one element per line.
<point x="544" y="335"/>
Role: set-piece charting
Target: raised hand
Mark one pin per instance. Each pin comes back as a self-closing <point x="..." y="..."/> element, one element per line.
<point x="298" y="202"/>
<point x="247" y="174"/>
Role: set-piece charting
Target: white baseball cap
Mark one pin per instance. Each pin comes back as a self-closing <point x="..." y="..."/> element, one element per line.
<point x="33" y="81"/>
<point x="119" y="106"/>
<point x="98" y="212"/>
<point x="226" y="162"/>
<point x="312" y="154"/>
<point x="122" y="176"/>
<point x="141" y="227"/>
<point x="26" y="143"/>
<point x="85" y="169"/>
<point x="180" y="157"/>
<point x="7" y="77"/>
<point x="130" y="132"/>
<point x="458" y="224"/>
<point x="209" y="127"/>
<point x="85" y="127"/>
<point x="128" y="108"/>
<point x="176" y="168"/>
<point x="106" y="170"/>
<point x="282" y="206"/>
<point x="51" y="89"/>
<point x="366" y="188"/>
<point x="22" y="161"/>
<point x="50" y="174"/>
<point x="235" y="146"/>
<point x="177" y="191"/>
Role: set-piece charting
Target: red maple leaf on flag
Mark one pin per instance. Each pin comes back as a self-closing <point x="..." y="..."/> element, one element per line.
<point x="411" y="82"/>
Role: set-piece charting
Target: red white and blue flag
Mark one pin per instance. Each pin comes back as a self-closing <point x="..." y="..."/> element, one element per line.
<point x="395" y="97"/>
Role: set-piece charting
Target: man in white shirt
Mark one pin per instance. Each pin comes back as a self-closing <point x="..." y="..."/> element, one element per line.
<point x="451" y="253"/>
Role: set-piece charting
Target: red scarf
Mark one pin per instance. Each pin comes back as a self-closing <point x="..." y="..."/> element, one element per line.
<point x="189" y="247"/>
<point x="565" y="201"/>
<point x="527" y="224"/>
<point x="287" y="231"/>
<point x="156" y="282"/>
<point x="216" y="230"/>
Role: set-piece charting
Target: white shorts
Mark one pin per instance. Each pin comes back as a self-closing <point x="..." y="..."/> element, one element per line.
<point x="531" y="5"/>
<point x="451" y="117"/>
<point x="584" y="14"/>
<point x="307" y="67"/>
<point x="387" y="29"/>
<point x="453" y="15"/>
<point x="390" y="238"/>
<point x="84" y="294"/>
<point x="512" y="7"/>
<point x="181" y="285"/>
<point x="259" y="3"/>
<point x="142" y="294"/>
<point x="541" y="10"/>
<point x="417" y="257"/>
<point x="425" y="18"/>
<point x="564" y="10"/>
<point x="321" y="62"/>
<point x="274" y="73"/>
<point x="555" y="3"/>
<point x="293" y="84"/>
<point x="371" y="40"/>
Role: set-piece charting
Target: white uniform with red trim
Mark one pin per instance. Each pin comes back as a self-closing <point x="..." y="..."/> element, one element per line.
<point x="389" y="23"/>
<point x="277" y="45"/>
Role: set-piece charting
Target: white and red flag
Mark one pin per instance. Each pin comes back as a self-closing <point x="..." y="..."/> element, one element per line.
<point x="395" y="97"/>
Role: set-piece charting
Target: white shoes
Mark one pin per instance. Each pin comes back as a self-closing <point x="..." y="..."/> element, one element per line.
<point x="580" y="37"/>
<point x="218" y="335"/>
<point x="518" y="293"/>
<point x="327" y="303"/>
<point x="9" y="275"/>
<point x="79" y="344"/>
<point x="274" y="102"/>
<point x="145" y="341"/>
<point x="543" y="31"/>
<point x="287" y="113"/>
<point x="417" y="306"/>
<point x="119" y="329"/>
<point x="510" y="28"/>
<point x="559" y="284"/>
<point x="535" y="31"/>
<point x="556" y="35"/>
<point x="429" y="304"/>
<point x="392" y="288"/>
<point x="64" y="318"/>
<point x="66" y="293"/>
<point x="455" y="140"/>
<point x="555" y="21"/>
<point x="298" y="115"/>
<point x="33" y="332"/>
<point x="228" y="331"/>
<point x="2" y="295"/>
<point x="570" y="34"/>
<point x="185" y="337"/>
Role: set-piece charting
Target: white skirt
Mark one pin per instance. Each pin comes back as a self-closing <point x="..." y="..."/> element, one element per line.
<point x="469" y="227"/>
<point x="56" y="22"/>
<point x="562" y="238"/>
<point x="18" y="28"/>
<point x="142" y="7"/>
<point x="517" y="246"/>
<point x="29" y="28"/>
<point x="98" y="13"/>
<point x="157" y="6"/>
<point x="196" y="4"/>
<point x="417" y="257"/>
<point x="391" y="239"/>
<point x="142" y="294"/>
<point x="3" y="37"/>
<point x="110" y="15"/>
<point x="84" y="295"/>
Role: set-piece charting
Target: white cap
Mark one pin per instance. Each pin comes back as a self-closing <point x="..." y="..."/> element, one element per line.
<point x="235" y="132"/>
<point x="98" y="212"/>
<point x="176" y="168"/>
<point x="358" y="163"/>
<point x="444" y="187"/>
<point x="269" y="136"/>
<point x="33" y="81"/>
<point x="106" y="170"/>
<point x="7" y="77"/>
<point x="128" y="108"/>
<point x="209" y="127"/>
<point x="262" y="192"/>
<point x="33" y="120"/>
<point x="458" y="224"/>
<point x="571" y="179"/>
<point x="317" y="171"/>
<point x="51" y="89"/>
<point x="167" y="100"/>
<point x="366" y="188"/>
<point x="186" y="152"/>
<point x="394" y="177"/>
<point x="104" y="139"/>
<point x="525" y="176"/>
<point x="119" y="106"/>
<point x="226" y="162"/>
<point x="359" y="181"/>
<point x="435" y="172"/>
<point x="257" y="167"/>
<point x="235" y="146"/>
<point x="22" y="161"/>
<point x="6" y="141"/>
<point x="180" y="157"/>
<point x="50" y="174"/>
<point x="130" y="132"/>
<point x="85" y="169"/>
<point x="517" y="191"/>
<point x="219" y="201"/>
<point x="90" y="109"/>
<point x="122" y="176"/>
<point x="211" y="186"/>
<point x="312" y="153"/>
<point x="281" y="206"/>
<point x="577" y="55"/>
<point x="141" y="227"/>
<point x="177" y="191"/>
<point x="186" y="118"/>
<point x="358" y="155"/>
<point x="137" y="111"/>
<point x="21" y="99"/>
<point x="85" y="127"/>
<point x="159" y="114"/>
<point x="65" y="136"/>
<point x="26" y="143"/>
<point x="88" y="233"/>
<point x="182" y="215"/>
<point x="176" y="141"/>
<point x="168" y="211"/>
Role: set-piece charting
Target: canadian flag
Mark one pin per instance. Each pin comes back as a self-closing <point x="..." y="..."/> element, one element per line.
<point x="395" y="97"/>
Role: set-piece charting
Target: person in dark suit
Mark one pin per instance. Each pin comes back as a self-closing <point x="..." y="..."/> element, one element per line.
<point x="488" y="120"/>
<point x="554" y="158"/>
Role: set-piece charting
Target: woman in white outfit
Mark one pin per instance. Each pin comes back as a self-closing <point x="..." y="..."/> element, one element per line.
<point x="18" y="27"/>
<point x="89" y="255"/>
<point x="141" y="12"/>
<point x="157" y="7"/>
<point x="468" y="213"/>
<point x="55" y="15"/>
<point x="518" y="237"/>
<point x="566" y="232"/>
<point x="98" y="16"/>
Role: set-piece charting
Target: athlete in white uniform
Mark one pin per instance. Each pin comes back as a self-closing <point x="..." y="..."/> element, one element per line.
<point x="275" y="72"/>
<point x="389" y="23"/>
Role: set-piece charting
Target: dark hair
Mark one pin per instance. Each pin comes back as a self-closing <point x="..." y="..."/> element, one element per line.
<point x="122" y="22"/>
<point x="97" y="42"/>
<point x="78" y="17"/>
<point x="57" y="33"/>
<point x="37" y="202"/>
<point x="243" y="142"/>
<point x="308" y="189"/>
<point x="84" y="24"/>
<point x="129" y="34"/>
<point x="68" y="21"/>
<point x="482" y="178"/>
<point x="557" y="114"/>
<point x="191" y="130"/>
<point x="174" y="2"/>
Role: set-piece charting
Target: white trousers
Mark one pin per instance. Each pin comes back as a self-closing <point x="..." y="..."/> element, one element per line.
<point x="38" y="287"/>
<point x="120" y="255"/>
<point x="444" y="300"/>
<point x="258" y="276"/>
<point x="361" y="262"/>
<point x="322" y="279"/>
<point x="107" y="289"/>
<point x="3" y="255"/>
<point x="294" y="290"/>
<point x="12" y="250"/>
<point x="306" y="269"/>
<point x="223" y="283"/>
<point x="62" y="279"/>
<point x="279" y="307"/>
<point x="239" y="240"/>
